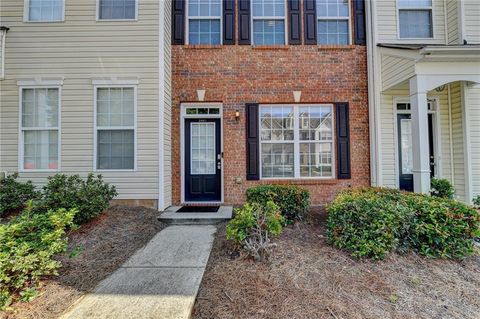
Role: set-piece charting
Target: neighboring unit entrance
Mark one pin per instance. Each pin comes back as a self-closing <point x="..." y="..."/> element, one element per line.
<point x="202" y="158"/>
<point x="405" y="147"/>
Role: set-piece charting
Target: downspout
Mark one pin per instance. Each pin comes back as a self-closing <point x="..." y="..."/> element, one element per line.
<point x="161" y="105"/>
<point x="3" y="35"/>
<point x="450" y="123"/>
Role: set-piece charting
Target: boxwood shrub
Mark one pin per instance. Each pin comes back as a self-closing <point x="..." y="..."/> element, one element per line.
<point x="292" y="200"/>
<point x="15" y="194"/>
<point x="372" y="222"/>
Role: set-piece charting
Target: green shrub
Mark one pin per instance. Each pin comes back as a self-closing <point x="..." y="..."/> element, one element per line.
<point x="14" y="194"/>
<point x="442" y="188"/>
<point x="292" y="200"/>
<point x="27" y="245"/>
<point x="90" y="197"/>
<point x="372" y="222"/>
<point x="476" y="202"/>
<point x="253" y="226"/>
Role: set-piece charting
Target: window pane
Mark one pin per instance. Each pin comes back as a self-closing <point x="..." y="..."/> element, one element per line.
<point x="268" y="8"/>
<point x="268" y="32"/>
<point x="204" y="31"/>
<point x="333" y="32"/>
<point x="115" y="107"/>
<point x="333" y="8"/>
<point x="45" y="10"/>
<point x="316" y="159"/>
<point x="117" y="9"/>
<point x="204" y="8"/>
<point x="40" y="150"/>
<point x="115" y="149"/>
<point x="277" y="160"/>
<point x="414" y="3"/>
<point x="276" y="123"/>
<point x="315" y="123"/>
<point x="40" y="107"/>
<point x="203" y="151"/>
<point x="416" y="24"/>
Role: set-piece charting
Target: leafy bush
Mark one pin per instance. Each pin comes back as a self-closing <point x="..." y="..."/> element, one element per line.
<point x="372" y="222"/>
<point x="14" y="194"/>
<point x="292" y="200"/>
<point x="442" y="188"/>
<point x="476" y="202"/>
<point x="90" y="197"/>
<point x="253" y="226"/>
<point x="27" y="245"/>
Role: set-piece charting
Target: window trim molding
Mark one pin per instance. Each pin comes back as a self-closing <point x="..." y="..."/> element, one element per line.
<point x="58" y="128"/>
<point x="296" y="142"/>
<point x="349" y="20"/>
<point x="26" y="14"/>
<point x="277" y="18"/>
<point x="397" y="13"/>
<point x="95" y="127"/>
<point x="98" y="19"/>
<point x="187" y="23"/>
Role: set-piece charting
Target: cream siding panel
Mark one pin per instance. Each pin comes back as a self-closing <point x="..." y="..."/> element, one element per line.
<point x="79" y="50"/>
<point x="458" y="141"/>
<point x="473" y="104"/>
<point x="472" y="21"/>
<point x="396" y="70"/>
<point x="387" y="17"/>
<point x="452" y="21"/>
<point x="168" y="108"/>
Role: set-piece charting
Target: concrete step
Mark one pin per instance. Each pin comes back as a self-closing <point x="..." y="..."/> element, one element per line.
<point x="170" y="216"/>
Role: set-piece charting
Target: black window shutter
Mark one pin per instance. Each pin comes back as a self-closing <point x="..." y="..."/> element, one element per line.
<point x="359" y="20"/>
<point x="252" y="134"/>
<point x="228" y="21"/>
<point x="178" y="22"/>
<point x="244" y="22"/>
<point x="310" y="20"/>
<point x="343" y="141"/>
<point x="295" y="24"/>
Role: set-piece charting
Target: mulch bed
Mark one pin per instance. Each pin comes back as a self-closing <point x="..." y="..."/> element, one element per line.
<point x="95" y="250"/>
<point x="307" y="278"/>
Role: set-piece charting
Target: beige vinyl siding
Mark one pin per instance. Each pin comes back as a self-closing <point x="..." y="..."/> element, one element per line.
<point x="473" y="104"/>
<point x="388" y="31"/>
<point x="79" y="50"/>
<point x="396" y="70"/>
<point x="168" y="109"/>
<point x="458" y="141"/>
<point x="472" y="21"/>
<point x="452" y="21"/>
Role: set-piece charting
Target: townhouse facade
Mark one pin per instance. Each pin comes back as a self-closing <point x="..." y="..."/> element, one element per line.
<point x="424" y="71"/>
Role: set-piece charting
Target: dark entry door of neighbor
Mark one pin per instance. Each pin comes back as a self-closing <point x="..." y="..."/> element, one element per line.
<point x="405" y="150"/>
<point x="203" y="160"/>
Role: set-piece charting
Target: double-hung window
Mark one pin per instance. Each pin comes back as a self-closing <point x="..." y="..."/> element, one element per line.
<point x="415" y="19"/>
<point x="117" y="9"/>
<point x="115" y="128"/>
<point x="204" y="18"/>
<point x="39" y="129"/>
<point x="44" y="10"/>
<point x="268" y="22"/>
<point x="296" y="141"/>
<point x="333" y="21"/>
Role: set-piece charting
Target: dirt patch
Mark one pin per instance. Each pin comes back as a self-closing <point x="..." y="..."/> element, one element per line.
<point x="307" y="278"/>
<point x="94" y="251"/>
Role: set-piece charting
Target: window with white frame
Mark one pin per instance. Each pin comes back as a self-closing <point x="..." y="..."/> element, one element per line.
<point x="268" y="22"/>
<point x="296" y="141"/>
<point x="204" y="18"/>
<point x="333" y="21"/>
<point x="415" y="18"/>
<point x="44" y="10"/>
<point x="40" y="109"/>
<point x="115" y="128"/>
<point x="117" y="9"/>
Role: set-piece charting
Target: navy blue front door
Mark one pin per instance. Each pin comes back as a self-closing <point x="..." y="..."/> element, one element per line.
<point x="203" y="166"/>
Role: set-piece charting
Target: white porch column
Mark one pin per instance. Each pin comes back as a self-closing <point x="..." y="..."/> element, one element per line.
<point x="421" y="156"/>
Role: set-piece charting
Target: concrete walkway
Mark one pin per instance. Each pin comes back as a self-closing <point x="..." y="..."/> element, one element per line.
<point x="160" y="280"/>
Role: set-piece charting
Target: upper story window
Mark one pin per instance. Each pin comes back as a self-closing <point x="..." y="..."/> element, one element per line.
<point x="415" y="18"/>
<point x="117" y="9"/>
<point x="204" y="18"/>
<point x="44" y="10"/>
<point x="333" y="18"/>
<point x="268" y="22"/>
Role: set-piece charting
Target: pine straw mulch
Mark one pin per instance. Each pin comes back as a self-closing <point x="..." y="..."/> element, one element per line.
<point x="307" y="278"/>
<point x="95" y="250"/>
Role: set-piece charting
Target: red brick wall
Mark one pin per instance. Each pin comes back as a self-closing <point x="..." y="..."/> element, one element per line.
<point x="235" y="75"/>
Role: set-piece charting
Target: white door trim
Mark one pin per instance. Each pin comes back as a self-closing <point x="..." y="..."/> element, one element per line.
<point x="183" y="116"/>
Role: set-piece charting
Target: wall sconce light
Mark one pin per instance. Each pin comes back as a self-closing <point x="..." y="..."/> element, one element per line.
<point x="297" y="96"/>
<point x="201" y="95"/>
<point x="237" y="115"/>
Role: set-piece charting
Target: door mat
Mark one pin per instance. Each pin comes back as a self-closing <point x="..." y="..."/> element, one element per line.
<point x="198" y="209"/>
